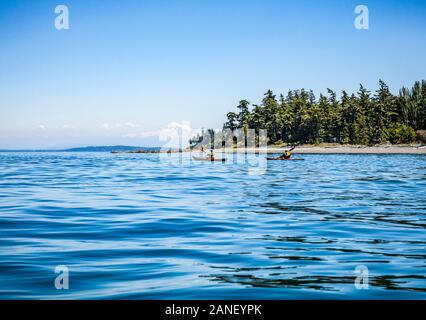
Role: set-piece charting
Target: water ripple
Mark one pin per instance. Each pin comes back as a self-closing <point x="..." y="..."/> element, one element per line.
<point x="148" y="226"/>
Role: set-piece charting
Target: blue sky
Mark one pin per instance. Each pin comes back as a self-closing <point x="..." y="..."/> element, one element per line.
<point x="126" y="69"/>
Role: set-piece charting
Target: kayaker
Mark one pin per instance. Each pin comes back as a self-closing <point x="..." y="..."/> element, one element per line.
<point x="201" y="153"/>
<point x="211" y="155"/>
<point x="287" y="154"/>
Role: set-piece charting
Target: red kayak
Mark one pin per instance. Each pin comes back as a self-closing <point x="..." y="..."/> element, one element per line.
<point x="207" y="159"/>
<point x="278" y="159"/>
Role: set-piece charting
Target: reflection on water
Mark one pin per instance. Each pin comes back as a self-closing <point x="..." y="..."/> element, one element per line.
<point x="141" y="226"/>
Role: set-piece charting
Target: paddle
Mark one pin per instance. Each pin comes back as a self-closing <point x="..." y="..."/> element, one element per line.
<point x="282" y="156"/>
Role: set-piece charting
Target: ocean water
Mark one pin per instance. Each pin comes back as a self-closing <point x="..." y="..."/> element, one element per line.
<point x="137" y="226"/>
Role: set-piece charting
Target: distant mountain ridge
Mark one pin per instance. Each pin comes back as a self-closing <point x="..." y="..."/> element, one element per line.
<point x="120" y="148"/>
<point x="110" y="148"/>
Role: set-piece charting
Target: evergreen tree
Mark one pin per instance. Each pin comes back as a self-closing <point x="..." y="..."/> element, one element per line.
<point x="232" y="123"/>
<point x="244" y="113"/>
<point x="381" y="113"/>
<point x="422" y="108"/>
<point x="355" y="119"/>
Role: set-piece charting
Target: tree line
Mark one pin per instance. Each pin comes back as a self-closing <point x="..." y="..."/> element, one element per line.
<point x="363" y="118"/>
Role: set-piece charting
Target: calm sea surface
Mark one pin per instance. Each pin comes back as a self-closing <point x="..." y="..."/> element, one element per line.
<point x="136" y="226"/>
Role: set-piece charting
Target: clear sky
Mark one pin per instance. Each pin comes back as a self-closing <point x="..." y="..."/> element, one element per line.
<point x="125" y="69"/>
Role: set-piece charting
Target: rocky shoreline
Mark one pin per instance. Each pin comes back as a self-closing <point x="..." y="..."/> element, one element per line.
<point x="391" y="149"/>
<point x="307" y="149"/>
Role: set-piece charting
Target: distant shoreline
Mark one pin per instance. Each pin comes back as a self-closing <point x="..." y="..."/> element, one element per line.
<point x="303" y="149"/>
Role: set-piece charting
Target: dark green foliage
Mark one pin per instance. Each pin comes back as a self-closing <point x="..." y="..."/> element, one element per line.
<point x="353" y="119"/>
<point x="421" y="135"/>
<point x="401" y="133"/>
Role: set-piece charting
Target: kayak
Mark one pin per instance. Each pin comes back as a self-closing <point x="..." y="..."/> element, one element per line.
<point x="278" y="159"/>
<point x="208" y="159"/>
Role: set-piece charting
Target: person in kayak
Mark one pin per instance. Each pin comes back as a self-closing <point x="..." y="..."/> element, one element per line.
<point x="211" y="155"/>
<point x="287" y="154"/>
<point x="201" y="152"/>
